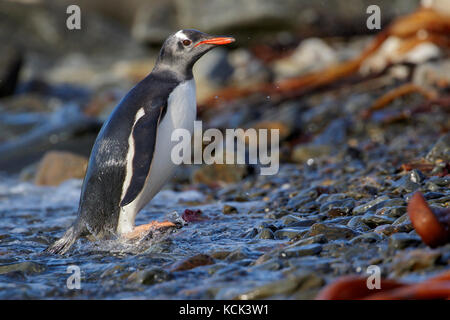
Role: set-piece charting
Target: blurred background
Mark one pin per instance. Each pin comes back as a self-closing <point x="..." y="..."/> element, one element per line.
<point x="364" y="123"/>
<point x="59" y="85"/>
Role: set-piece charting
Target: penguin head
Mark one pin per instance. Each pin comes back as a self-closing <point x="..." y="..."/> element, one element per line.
<point x="182" y="49"/>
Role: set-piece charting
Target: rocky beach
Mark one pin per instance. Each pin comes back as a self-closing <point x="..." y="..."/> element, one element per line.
<point x="363" y="120"/>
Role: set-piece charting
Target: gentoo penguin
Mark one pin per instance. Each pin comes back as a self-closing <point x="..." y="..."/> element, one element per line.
<point x="130" y="160"/>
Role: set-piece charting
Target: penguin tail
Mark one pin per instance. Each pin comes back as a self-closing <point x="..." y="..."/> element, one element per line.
<point x="62" y="245"/>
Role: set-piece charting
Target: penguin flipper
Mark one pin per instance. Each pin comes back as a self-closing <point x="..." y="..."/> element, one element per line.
<point x="144" y="136"/>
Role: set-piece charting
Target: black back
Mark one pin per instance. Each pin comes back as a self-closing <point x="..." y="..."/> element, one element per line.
<point x="99" y="207"/>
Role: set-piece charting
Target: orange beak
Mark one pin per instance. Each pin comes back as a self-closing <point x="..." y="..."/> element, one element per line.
<point x="217" y="41"/>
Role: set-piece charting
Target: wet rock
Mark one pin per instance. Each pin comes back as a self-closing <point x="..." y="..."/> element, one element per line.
<point x="150" y="276"/>
<point x="293" y="221"/>
<point x="371" y="205"/>
<point x="356" y="223"/>
<point x="311" y="240"/>
<point x="217" y="174"/>
<point x="227" y="209"/>
<point x="441" y="150"/>
<point x="193" y="215"/>
<point x="338" y="208"/>
<point x="301" y="251"/>
<point x="374" y="220"/>
<point x="391" y="212"/>
<point x="332" y="232"/>
<point x="414" y="260"/>
<point x="290" y="233"/>
<point x="410" y="182"/>
<point x="402" y="240"/>
<point x="369" y="237"/>
<point x="387" y="229"/>
<point x="27" y="267"/>
<point x="295" y="282"/>
<point x="239" y="254"/>
<point x="266" y="233"/>
<point x="193" y="262"/>
<point x="57" y="166"/>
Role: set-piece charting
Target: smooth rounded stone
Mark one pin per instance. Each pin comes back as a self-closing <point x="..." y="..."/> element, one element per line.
<point x="371" y="205"/>
<point x="272" y="226"/>
<point x="442" y="200"/>
<point x="290" y="233"/>
<point x="406" y="183"/>
<point x="216" y="267"/>
<point x="332" y="232"/>
<point x="356" y="223"/>
<point x="404" y="219"/>
<point x="310" y="240"/>
<point x="414" y="260"/>
<point x="301" y="251"/>
<point x="266" y="233"/>
<point x="373" y="220"/>
<point x="395" y="202"/>
<point x="192" y="262"/>
<point x="440" y="181"/>
<point x="293" y="221"/>
<point x="368" y="237"/>
<point x="239" y="254"/>
<point x="388" y="229"/>
<point x="392" y="212"/>
<point x="276" y="214"/>
<point x="272" y="264"/>
<point x="318" y="264"/>
<point x="338" y="208"/>
<point x="227" y="209"/>
<point x="150" y="276"/>
<point x="433" y="195"/>
<point x="294" y="282"/>
<point x="27" y="267"/>
<point x="118" y="269"/>
<point x="58" y="166"/>
<point x="403" y="240"/>
<point x="430" y="186"/>
<point x="340" y="220"/>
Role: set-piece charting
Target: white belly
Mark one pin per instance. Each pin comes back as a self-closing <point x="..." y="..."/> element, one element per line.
<point x="181" y="113"/>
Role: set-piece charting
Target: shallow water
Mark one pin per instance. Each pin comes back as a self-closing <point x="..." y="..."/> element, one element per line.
<point x="32" y="217"/>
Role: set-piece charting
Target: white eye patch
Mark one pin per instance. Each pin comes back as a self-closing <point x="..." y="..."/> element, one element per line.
<point x="180" y="35"/>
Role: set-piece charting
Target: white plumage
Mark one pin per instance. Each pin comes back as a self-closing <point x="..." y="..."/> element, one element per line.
<point x="181" y="113"/>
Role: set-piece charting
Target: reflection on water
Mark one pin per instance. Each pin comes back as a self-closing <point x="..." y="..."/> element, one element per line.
<point x="33" y="216"/>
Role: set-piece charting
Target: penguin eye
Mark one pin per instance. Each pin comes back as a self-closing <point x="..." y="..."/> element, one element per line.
<point x="187" y="42"/>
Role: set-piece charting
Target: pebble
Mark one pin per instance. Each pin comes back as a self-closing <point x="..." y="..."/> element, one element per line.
<point x="266" y="233"/>
<point x="332" y="232"/>
<point x="227" y="209"/>
<point x="290" y="233"/>
<point x="301" y="251"/>
<point x="150" y="276"/>
<point x="27" y="267"/>
<point x="403" y="240"/>
<point x="371" y="205"/>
